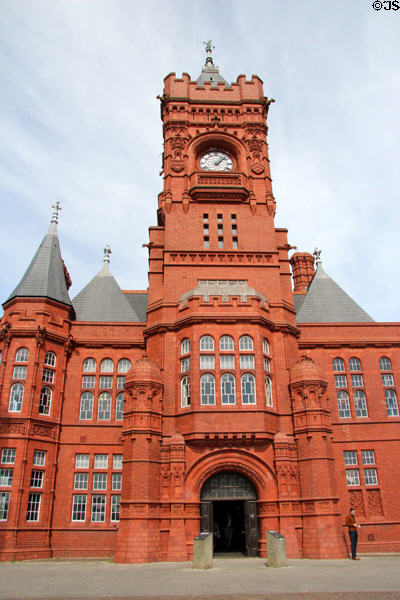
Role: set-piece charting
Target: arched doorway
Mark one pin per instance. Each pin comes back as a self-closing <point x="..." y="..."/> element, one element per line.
<point x="229" y="510"/>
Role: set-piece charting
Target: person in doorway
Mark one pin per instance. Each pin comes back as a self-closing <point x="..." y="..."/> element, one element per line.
<point x="228" y="530"/>
<point x="353" y="533"/>
<point x="216" y="534"/>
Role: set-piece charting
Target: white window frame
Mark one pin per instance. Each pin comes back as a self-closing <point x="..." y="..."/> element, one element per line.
<point x="392" y="407"/>
<point x="104" y="407"/>
<point x="385" y="363"/>
<point x="45" y="401"/>
<point x="50" y="359"/>
<point x="119" y="407"/>
<point x="360" y="404"/>
<point x="98" y="508"/>
<point x="207" y="389"/>
<point x="39" y="458"/>
<point x="22" y="355"/>
<point x="185" y="346"/>
<point x="268" y="392"/>
<point x="88" y="382"/>
<point x="247" y="361"/>
<point x="19" y="372"/>
<point x="81" y="481"/>
<point x="248" y="388"/>
<point x="33" y="507"/>
<point x="106" y="382"/>
<point x="89" y="365"/>
<point x="206" y="343"/>
<point x="82" y="461"/>
<point x="387" y="379"/>
<point x="370" y="477"/>
<point x="86" y="406"/>
<point x="354" y="364"/>
<point x="99" y="481"/>
<point x="6" y="477"/>
<point x="16" y="397"/>
<point x="368" y="457"/>
<point x="117" y="461"/>
<point x="4" y="505"/>
<point x="226" y="343"/>
<point x="340" y="381"/>
<point x="124" y="364"/>
<point x="350" y="458"/>
<point x="228" y="389"/>
<point x="185" y="392"/>
<point x="343" y="403"/>
<point x="107" y="365"/>
<point x="48" y="376"/>
<point x="227" y="362"/>
<point x="8" y="456"/>
<point x="357" y="380"/>
<point x="116" y="482"/>
<point x="246" y="343"/>
<point x="338" y="365"/>
<point x="101" y="461"/>
<point x="265" y="346"/>
<point x="37" y="478"/>
<point x="353" y="477"/>
<point x="115" y="508"/>
<point x="79" y="504"/>
<point x="185" y="364"/>
<point x="207" y="361"/>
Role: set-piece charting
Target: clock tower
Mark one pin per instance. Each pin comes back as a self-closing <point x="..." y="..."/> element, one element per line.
<point x="213" y="421"/>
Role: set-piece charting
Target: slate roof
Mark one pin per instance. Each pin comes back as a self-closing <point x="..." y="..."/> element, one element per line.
<point x="210" y="72"/>
<point x="139" y="302"/>
<point x="102" y="300"/>
<point x="45" y="276"/>
<point x="327" y="302"/>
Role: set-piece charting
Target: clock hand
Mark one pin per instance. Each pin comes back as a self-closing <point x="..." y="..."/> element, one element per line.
<point x="219" y="160"/>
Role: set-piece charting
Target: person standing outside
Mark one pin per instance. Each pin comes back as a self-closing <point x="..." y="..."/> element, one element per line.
<point x="353" y="533"/>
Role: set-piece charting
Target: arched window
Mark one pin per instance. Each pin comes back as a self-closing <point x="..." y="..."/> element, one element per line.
<point x="226" y="343"/>
<point x="119" y="409"/>
<point x="343" y="405"/>
<point x="248" y="388"/>
<point x="124" y="365"/>
<point x="50" y="359"/>
<point x="206" y="343"/>
<point x="86" y="411"/>
<point x="22" y="355"/>
<point x="265" y="346"/>
<point x="107" y="365"/>
<point x="207" y="389"/>
<point x="360" y="404"/>
<point x="45" y="401"/>
<point x="228" y="392"/>
<point x="89" y="365"/>
<point x="104" y="408"/>
<point x="354" y="364"/>
<point x="391" y="404"/>
<point x="246" y="343"/>
<point x="185" y="391"/>
<point x="268" y="391"/>
<point x="16" y="398"/>
<point x="338" y="364"/>
<point x="185" y="346"/>
<point x="385" y="364"/>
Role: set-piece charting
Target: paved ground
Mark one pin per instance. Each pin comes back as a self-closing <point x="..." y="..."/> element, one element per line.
<point x="372" y="578"/>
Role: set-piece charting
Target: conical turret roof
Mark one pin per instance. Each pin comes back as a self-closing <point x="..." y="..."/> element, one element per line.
<point x="327" y="302"/>
<point x="102" y="300"/>
<point x="45" y="276"/>
<point x="210" y="72"/>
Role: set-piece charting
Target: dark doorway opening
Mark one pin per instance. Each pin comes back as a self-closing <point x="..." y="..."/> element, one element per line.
<point x="229" y="524"/>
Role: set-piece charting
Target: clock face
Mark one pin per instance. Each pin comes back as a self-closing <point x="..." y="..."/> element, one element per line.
<point x="216" y="160"/>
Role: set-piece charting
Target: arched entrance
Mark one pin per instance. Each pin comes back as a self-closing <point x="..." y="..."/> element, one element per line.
<point x="229" y="510"/>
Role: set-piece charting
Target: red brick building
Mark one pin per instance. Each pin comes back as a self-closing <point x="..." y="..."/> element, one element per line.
<point x="220" y="398"/>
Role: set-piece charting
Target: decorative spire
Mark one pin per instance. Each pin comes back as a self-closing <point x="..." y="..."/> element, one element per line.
<point x="210" y="72"/>
<point x="56" y="209"/>
<point x="107" y="252"/>
<point x="317" y="254"/>
<point x="209" y="47"/>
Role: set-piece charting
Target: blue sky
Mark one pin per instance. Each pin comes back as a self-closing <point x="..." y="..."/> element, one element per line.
<point x="80" y="123"/>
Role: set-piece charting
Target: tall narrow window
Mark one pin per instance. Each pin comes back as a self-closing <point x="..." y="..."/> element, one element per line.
<point x="89" y="365"/>
<point x="343" y="405"/>
<point x="207" y="389"/>
<point x="50" y="359"/>
<point x="86" y="410"/>
<point x="45" y="401"/>
<point x="22" y="355"/>
<point x="352" y="477"/>
<point x="104" y="408"/>
<point x="185" y="346"/>
<point x="185" y="391"/>
<point x="228" y="394"/>
<point x="98" y="508"/>
<point x="115" y="508"/>
<point x="360" y="404"/>
<point x="226" y="343"/>
<point x="268" y="392"/>
<point x="248" y="389"/>
<point x="119" y="410"/>
<point x="338" y="364"/>
<point x="33" y="509"/>
<point x="350" y="457"/>
<point x="206" y="343"/>
<point x="124" y="365"/>
<point x="107" y="365"/>
<point x="4" y="505"/>
<point x="354" y="364"/>
<point x="16" y="398"/>
<point x="385" y="364"/>
<point x="391" y="404"/>
<point x="79" y="508"/>
<point x="246" y="343"/>
<point x="265" y="346"/>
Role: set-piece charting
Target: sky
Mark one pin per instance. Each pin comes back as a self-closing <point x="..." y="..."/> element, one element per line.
<point x="80" y="123"/>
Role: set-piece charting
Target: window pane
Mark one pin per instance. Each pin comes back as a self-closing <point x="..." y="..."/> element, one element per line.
<point x="89" y="366"/>
<point x="99" y="481"/>
<point x="81" y="481"/>
<point x="387" y="379"/>
<point x="246" y="343"/>
<point x="106" y="382"/>
<point x="4" y="505"/>
<point x="357" y="380"/>
<point x="206" y="343"/>
<point x="16" y="397"/>
<point x="370" y="477"/>
<point x="227" y="361"/>
<point x="120" y="383"/>
<point x="79" y="508"/>
<point x="19" y="373"/>
<point x="338" y="364"/>
<point x="8" y="456"/>
<point x="100" y="461"/>
<point x="98" y="508"/>
<point x="354" y="364"/>
<point x="360" y="404"/>
<point x="115" y="507"/>
<point x="385" y="364"/>
<point x="248" y="389"/>
<point x="185" y="346"/>
<point x="50" y="359"/>
<point x="48" y="376"/>
<point x="22" y="355"/>
<point x="247" y="361"/>
<point x="265" y="346"/>
<point x="86" y="410"/>
<point x="39" y="458"/>
<point x="104" y="408"/>
<point x="185" y="391"/>
<point x="391" y="404"/>
<point x="119" y="408"/>
<point x="207" y="389"/>
<point x="117" y="461"/>
<point x="88" y="381"/>
<point x="117" y="481"/>
<point x="340" y="381"/>
<point x="45" y="401"/>
<point x="368" y="457"/>
<point x="350" y="457"/>
<point x="82" y="461"/>
<point x="267" y="365"/>
<point x="185" y="365"/>
<point x="226" y="343"/>
<point x="107" y="365"/>
<point x="124" y="365"/>
<point x="268" y="392"/>
<point x="33" y="510"/>
<point x="228" y="394"/>
<point x="352" y="477"/>
<point x="37" y="479"/>
<point x="207" y="361"/>
<point x="343" y="405"/>
<point x="6" y="477"/>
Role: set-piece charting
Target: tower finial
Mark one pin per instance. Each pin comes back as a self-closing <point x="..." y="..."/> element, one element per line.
<point x="209" y="47"/>
<point x="317" y="254"/>
<point x="107" y="252"/>
<point x="56" y="209"/>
